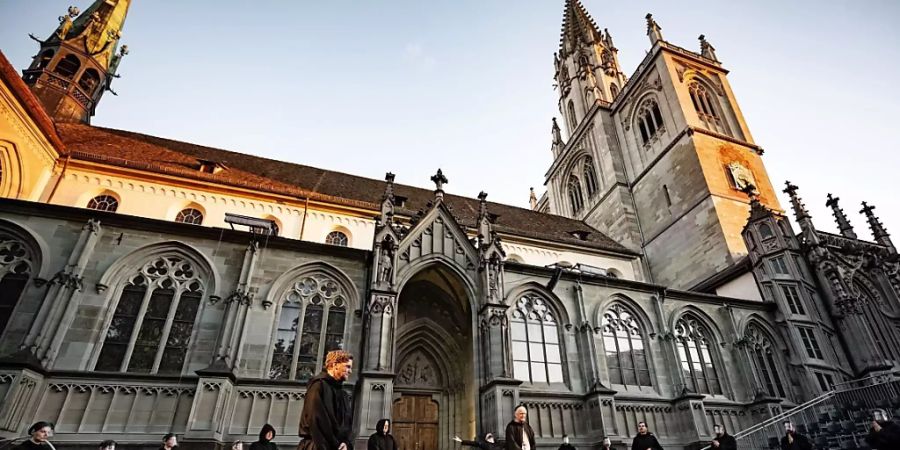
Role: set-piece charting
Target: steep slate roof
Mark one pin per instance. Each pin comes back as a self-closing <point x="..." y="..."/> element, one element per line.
<point x="140" y="151"/>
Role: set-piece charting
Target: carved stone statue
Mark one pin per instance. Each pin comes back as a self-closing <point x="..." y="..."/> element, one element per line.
<point x="386" y="261"/>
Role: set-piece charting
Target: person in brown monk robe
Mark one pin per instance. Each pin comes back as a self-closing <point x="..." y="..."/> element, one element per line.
<point x="326" y="419"/>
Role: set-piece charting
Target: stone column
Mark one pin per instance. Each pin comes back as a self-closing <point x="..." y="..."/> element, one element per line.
<point x="61" y="301"/>
<point x="375" y="388"/>
<point x="237" y="304"/>
<point x="213" y="404"/>
<point x="495" y="346"/>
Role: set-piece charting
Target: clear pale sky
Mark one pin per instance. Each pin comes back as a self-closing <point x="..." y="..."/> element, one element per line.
<point x="408" y="86"/>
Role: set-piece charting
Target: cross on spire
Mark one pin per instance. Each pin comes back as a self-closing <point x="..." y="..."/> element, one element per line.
<point x="439" y="181"/>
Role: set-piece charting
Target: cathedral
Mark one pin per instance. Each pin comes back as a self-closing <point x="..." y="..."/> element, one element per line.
<point x="150" y="286"/>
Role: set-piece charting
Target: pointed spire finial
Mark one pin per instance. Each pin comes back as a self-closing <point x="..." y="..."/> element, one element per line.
<point x="439" y="181"/>
<point x="654" y="31"/>
<point x="878" y="231"/>
<point x="532" y="199"/>
<point x="800" y="212"/>
<point x="842" y="222"/>
<point x="578" y="29"/>
<point x="387" y="200"/>
<point x="706" y="49"/>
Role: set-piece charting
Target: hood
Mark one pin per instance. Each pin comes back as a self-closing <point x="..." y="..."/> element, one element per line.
<point x="379" y="427"/>
<point x="265" y="429"/>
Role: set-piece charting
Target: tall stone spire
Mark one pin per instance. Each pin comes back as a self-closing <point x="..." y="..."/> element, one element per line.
<point x="77" y="62"/>
<point x="878" y="232"/>
<point x="578" y="29"/>
<point x="800" y="212"/>
<point x="840" y="218"/>
<point x="654" y="31"/>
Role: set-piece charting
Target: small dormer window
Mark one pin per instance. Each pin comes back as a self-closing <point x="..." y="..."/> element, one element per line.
<point x="581" y="235"/>
<point x="212" y="167"/>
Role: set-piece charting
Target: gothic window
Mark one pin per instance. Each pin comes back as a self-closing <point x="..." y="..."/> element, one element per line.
<point x="883" y="333"/>
<point x="590" y="177"/>
<point x="613" y="90"/>
<point x="15" y="269"/>
<point x="649" y="121"/>
<point x="763" y="354"/>
<point x="68" y="66"/>
<point x="705" y="106"/>
<point x="337" y="238"/>
<point x="310" y="324"/>
<point x="765" y="232"/>
<point x="572" y="119"/>
<point x="623" y="341"/>
<point x="778" y="265"/>
<point x="535" y="342"/>
<point x="792" y="297"/>
<point x="46" y="57"/>
<point x="695" y="353"/>
<point x="808" y="336"/>
<point x="826" y="381"/>
<point x="89" y="80"/>
<point x="151" y="328"/>
<point x="192" y="216"/>
<point x="104" y="203"/>
<point x="576" y="200"/>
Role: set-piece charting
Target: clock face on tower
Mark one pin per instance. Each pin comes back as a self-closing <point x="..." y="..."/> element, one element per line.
<point x="741" y="176"/>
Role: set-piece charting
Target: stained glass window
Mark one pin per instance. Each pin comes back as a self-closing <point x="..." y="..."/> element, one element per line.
<point x="15" y="269"/>
<point x="310" y="324"/>
<point x="151" y="328"/>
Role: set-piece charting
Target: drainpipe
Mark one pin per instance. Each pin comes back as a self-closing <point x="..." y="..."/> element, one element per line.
<point x="59" y="180"/>
<point x="303" y="222"/>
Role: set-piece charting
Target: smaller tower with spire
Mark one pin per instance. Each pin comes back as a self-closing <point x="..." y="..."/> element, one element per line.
<point x="878" y="231"/>
<point x="841" y="219"/>
<point x="78" y="61"/>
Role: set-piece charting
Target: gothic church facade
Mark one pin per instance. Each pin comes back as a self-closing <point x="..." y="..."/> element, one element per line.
<point x="150" y="286"/>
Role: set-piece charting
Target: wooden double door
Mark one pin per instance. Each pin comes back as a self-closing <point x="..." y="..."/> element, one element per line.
<point x="416" y="422"/>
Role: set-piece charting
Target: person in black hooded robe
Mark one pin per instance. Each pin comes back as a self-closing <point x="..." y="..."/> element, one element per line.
<point x="382" y="439"/>
<point x="326" y="420"/>
<point x="266" y="434"/>
<point x="519" y="435"/>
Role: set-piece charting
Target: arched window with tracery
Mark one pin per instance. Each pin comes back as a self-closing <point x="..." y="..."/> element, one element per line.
<point x="576" y="199"/>
<point x="764" y="355"/>
<point x="706" y="105"/>
<point x="150" y="331"/>
<point x="613" y="90"/>
<point x="649" y="121"/>
<point x="883" y="331"/>
<point x="695" y="354"/>
<point x="104" y="202"/>
<point x="623" y="341"/>
<point x="192" y="216"/>
<point x="537" y="357"/>
<point x="16" y="266"/>
<point x="88" y="81"/>
<point x="590" y="177"/>
<point x="68" y="66"/>
<point x="310" y="324"/>
<point x="338" y="238"/>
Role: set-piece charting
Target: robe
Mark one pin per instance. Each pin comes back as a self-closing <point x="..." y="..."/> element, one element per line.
<point x="326" y="420"/>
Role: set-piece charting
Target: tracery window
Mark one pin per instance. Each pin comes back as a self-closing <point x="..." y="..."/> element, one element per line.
<point x="535" y="342"/>
<point x="310" y="324"/>
<point x="104" y="203"/>
<point x="192" y="216"/>
<point x="576" y="200"/>
<point x="151" y="328"/>
<point x="590" y="177"/>
<point x="15" y="270"/>
<point x="89" y="80"/>
<point x="763" y="354"/>
<point x="695" y="343"/>
<point x="573" y="122"/>
<point x="623" y="341"/>
<point x="649" y="120"/>
<point x="613" y="90"/>
<point x="765" y="232"/>
<point x="705" y="106"/>
<point x="337" y="238"/>
<point x="68" y="66"/>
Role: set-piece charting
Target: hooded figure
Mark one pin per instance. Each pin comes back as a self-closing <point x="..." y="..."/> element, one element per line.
<point x="381" y="439"/>
<point x="266" y="434"/>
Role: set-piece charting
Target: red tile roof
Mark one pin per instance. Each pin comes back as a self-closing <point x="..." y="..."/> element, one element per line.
<point x="128" y="149"/>
<point x="32" y="105"/>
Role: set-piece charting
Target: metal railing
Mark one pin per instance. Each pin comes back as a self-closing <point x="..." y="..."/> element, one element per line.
<point x="835" y="419"/>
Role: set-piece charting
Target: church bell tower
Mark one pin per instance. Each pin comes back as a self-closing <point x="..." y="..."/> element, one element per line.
<point x="78" y="61"/>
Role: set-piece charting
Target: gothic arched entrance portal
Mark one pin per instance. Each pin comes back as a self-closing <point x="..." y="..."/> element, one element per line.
<point x="434" y="388"/>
